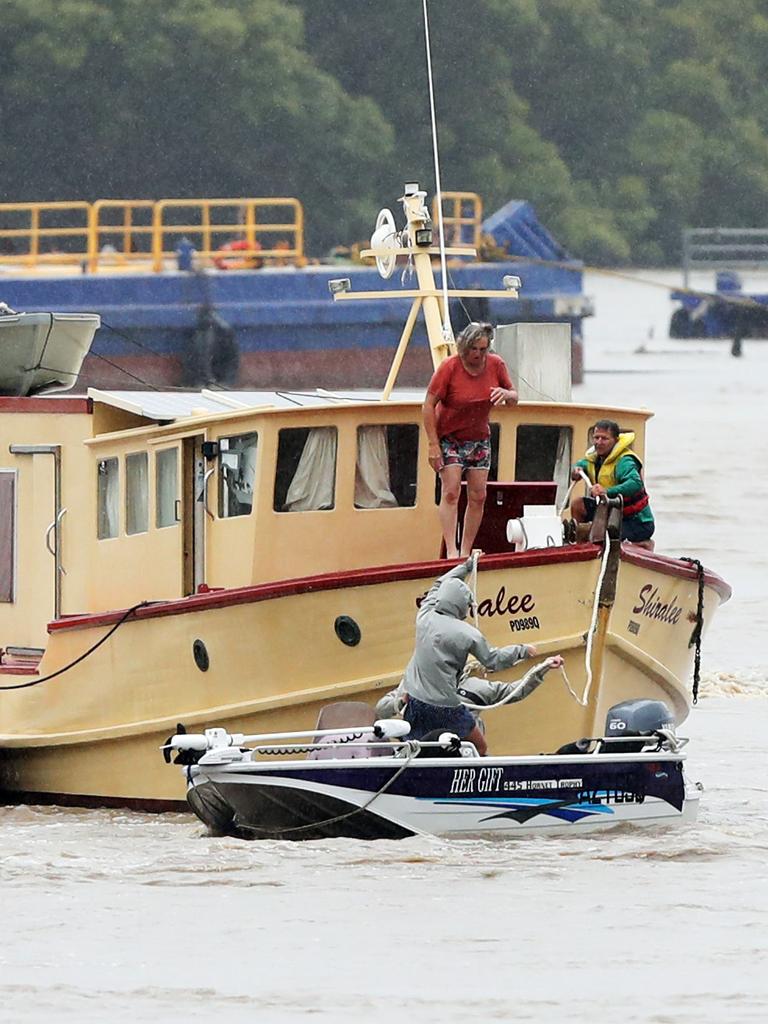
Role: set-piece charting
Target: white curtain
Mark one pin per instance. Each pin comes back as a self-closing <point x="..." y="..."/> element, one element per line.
<point x="109" y="498"/>
<point x="136" y="493"/>
<point x="312" y="486"/>
<point x="372" y="488"/>
<point x="562" y="474"/>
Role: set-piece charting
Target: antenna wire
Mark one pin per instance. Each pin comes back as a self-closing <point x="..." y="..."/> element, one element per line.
<point x="447" y="329"/>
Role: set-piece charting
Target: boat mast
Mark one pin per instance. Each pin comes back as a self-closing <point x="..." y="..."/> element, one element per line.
<point x="447" y="328"/>
<point x="415" y="242"/>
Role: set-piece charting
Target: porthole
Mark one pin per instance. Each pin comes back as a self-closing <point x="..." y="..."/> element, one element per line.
<point x="347" y="630"/>
<point x="200" y="654"/>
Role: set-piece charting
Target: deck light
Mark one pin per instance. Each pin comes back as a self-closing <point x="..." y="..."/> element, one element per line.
<point x="423" y="236"/>
<point x="511" y="282"/>
<point x="339" y="284"/>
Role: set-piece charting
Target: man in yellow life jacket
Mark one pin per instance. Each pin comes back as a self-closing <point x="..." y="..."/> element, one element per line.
<point x="613" y="469"/>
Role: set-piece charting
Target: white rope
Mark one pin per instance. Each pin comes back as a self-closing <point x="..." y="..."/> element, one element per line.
<point x="583" y="701"/>
<point x="570" y="689"/>
<point x="593" y="624"/>
<point x="447" y="329"/>
<point x="473" y="587"/>
<point x="567" y="499"/>
<point x="512" y="695"/>
<point x="506" y="700"/>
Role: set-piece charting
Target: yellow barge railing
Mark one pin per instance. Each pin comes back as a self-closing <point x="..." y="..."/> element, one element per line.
<point x="462" y="218"/>
<point x="205" y="222"/>
<point x="40" y="229"/>
<point x="132" y="234"/>
<point x="120" y="234"/>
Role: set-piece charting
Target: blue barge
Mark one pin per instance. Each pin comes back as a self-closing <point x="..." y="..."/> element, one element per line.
<point x="728" y="312"/>
<point x="279" y="328"/>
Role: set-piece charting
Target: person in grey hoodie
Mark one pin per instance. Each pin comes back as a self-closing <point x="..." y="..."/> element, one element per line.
<point x="475" y="693"/>
<point x="444" y="641"/>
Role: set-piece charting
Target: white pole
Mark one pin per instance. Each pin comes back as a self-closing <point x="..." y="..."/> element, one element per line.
<point x="447" y="329"/>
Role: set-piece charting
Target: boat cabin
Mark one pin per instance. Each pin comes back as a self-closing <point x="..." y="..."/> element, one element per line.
<point x="123" y="497"/>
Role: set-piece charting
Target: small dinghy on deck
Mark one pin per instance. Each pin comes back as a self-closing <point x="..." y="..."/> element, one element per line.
<point x="364" y="779"/>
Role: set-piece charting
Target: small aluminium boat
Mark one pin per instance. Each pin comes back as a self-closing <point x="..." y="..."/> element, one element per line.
<point x="369" y="781"/>
<point x="42" y="352"/>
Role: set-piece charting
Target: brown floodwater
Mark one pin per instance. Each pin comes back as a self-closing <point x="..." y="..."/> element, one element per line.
<point x="114" y="916"/>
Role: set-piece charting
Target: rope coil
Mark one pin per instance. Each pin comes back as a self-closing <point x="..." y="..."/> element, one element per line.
<point x="84" y="655"/>
<point x="275" y="832"/>
<point x="695" y="640"/>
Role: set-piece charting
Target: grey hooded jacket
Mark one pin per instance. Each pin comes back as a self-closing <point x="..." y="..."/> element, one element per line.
<point x="474" y="691"/>
<point x="444" y="641"/>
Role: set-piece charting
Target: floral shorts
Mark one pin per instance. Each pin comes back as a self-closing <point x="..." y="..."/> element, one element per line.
<point x="467" y="454"/>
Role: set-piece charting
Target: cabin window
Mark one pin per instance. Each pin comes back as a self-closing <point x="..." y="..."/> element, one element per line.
<point x="306" y="469"/>
<point x="166" y="487"/>
<point x="237" y="472"/>
<point x="7" y="534"/>
<point x="544" y="453"/>
<point x="108" y="499"/>
<point x="385" y="470"/>
<point x="136" y="493"/>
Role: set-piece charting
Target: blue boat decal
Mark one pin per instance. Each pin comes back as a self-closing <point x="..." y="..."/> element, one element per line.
<point x="523" y="809"/>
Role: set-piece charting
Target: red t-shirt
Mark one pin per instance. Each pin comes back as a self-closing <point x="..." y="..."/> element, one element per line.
<point x="465" y="401"/>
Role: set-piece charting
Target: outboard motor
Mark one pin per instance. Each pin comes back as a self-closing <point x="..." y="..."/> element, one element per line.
<point x="641" y="718"/>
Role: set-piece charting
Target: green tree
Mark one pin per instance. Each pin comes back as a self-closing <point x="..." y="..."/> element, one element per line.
<point x="622" y="121"/>
<point x="164" y="98"/>
<point x="489" y="140"/>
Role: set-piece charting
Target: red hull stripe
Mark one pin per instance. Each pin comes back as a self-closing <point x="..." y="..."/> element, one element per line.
<point x="225" y="598"/>
<point x="674" y="567"/>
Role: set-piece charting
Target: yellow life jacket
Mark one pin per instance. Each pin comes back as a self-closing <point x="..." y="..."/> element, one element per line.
<point x="606" y="477"/>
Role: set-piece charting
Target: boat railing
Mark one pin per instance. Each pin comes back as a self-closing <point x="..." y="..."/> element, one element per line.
<point x="374" y="747"/>
<point x="36" y="235"/>
<point x="146" y="234"/>
<point x="462" y="218"/>
<point x="659" y="740"/>
<point x="216" y="226"/>
<point x="724" y="248"/>
<point x="653" y="742"/>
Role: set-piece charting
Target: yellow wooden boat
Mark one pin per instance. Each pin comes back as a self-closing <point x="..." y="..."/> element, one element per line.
<point x="242" y="559"/>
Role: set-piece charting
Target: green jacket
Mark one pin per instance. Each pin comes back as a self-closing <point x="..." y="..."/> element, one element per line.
<point x="620" y="473"/>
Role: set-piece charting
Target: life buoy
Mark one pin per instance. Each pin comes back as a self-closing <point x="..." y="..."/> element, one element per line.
<point x="227" y="258"/>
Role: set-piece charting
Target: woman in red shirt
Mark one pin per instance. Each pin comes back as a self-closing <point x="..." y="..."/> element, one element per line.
<point x="456" y="417"/>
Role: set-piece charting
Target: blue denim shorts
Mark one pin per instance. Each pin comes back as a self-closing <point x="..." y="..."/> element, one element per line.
<point x="423" y="718"/>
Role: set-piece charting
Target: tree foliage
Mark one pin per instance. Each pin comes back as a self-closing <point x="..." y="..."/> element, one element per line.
<point x="622" y="121"/>
<point x="187" y="98"/>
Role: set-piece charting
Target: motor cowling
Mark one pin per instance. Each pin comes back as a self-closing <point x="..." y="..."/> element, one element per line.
<point x="641" y="718"/>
